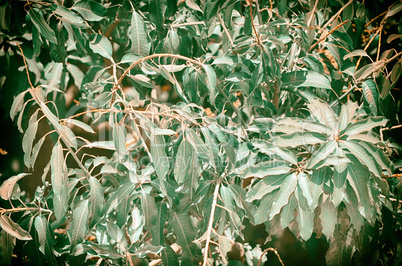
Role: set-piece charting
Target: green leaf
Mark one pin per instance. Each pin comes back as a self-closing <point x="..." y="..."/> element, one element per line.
<point x="304" y="184"/>
<point x="6" y="189"/>
<point x="79" y="224"/>
<point x="7" y="244"/>
<point x="183" y="160"/>
<point x="262" y="212"/>
<point x="265" y="168"/>
<point x="198" y="144"/>
<point x="138" y="36"/>
<point x="81" y="125"/>
<point x="119" y="138"/>
<point x="239" y="196"/>
<point x="365" y="125"/>
<point x="99" y="44"/>
<point x="298" y="139"/>
<point x="17" y="105"/>
<point x="371" y="95"/>
<point x="123" y="191"/>
<point x="68" y="16"/>
<point x="59" y="180"/>
<point x="357" y="52"/>
<point x="90" y="10"/>
<point x="288" y="212"/>
<point x="363" y="156"/>
<point x="339" y="179"/>
<point x="305" y="79"/>
<point x="159" y="157"/>
<point x="392" y="10"/>
<point x="287" y="188"/>
<point x="40" y="23"/>
<point x="322" y="153"/>
<point x="95" y="200"/>
<point x="305" y="218"/>
<point x="210" y="82"/>
<point x="352" y="207"/>
<point x="358" y="179"/>
<point x="328" y="217"/>
<point x="323" y="113"/>
<point x="180" y="222"/>
<point x="157" y="11"/>
<point x="29" y="136"/>
<point x="169" y="257"/>
<point x="157" y="229"/>
<point x="267" y="148"/>
<point x="148" y="209"/>
<point x="45" y="237"/>
<point x="348" y="111"/>
<point x="13" y="229"/>
<point x="265" y="186"/>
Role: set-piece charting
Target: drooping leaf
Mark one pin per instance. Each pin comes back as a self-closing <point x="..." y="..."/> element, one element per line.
<point x="159" y="157"/>
<point x="66" y="15"/>
<point x="13" y="229"/>
<point x="17" y="105"/>
<point x="99" y="44"/>
<point x="305" y="218"/>
<point x="45" y="237"/>
<point x="210" y="82"/>
<point x="138" y="36"/>
<point x="119" y="138"/>
<point x="371" y="95"/>
<point x="288" y="212"/>
<point x="79" y="224"/>
<point x="59" y="180"/>
<point x="157" y="229"/>
<point x="303" y="182"/>
<point x="183" y="160"/>
<point x="148" y="208"/>
<point x="358" y="179"/>
<point x="157" y="10"/>
<point x="42" y="26"/>
<point x="90" y="10"/>
<point x="6" y="189"/>
<point x="352" y="207"/>
<point x="328" y="217"/>
<point x="95" y="200"/>
<point x="181" y="224"/>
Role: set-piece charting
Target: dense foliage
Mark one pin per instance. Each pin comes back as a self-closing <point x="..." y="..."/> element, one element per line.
<point x="173" y="124"/>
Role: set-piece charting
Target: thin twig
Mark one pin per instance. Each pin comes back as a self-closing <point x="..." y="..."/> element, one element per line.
<point x="367" y="46"/>
<point x="312" y="13"/>
<point x="32" y="91"/>
<point x="225" y="29"/>
<point x="374" y="19"/>
<point x="210" y="224"/>
<point x="335" y="16"/>
<point x="2" y="211"/>
<point x="326" y="35"/>
<point x="273" y="250"/>
<point x="125" y="73"/>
